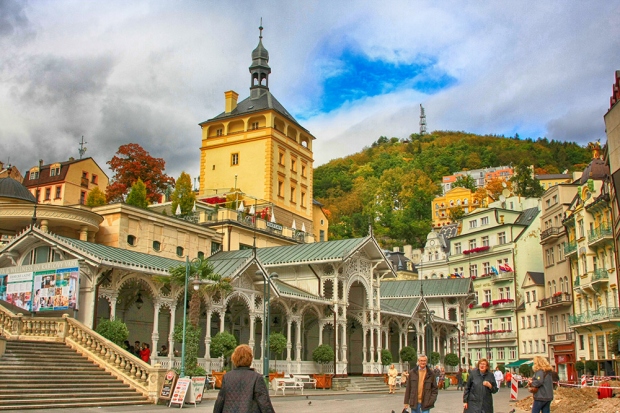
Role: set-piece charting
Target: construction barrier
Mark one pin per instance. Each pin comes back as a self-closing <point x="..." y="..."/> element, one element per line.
<point x="583" y="381"/>
<point x="514" y="389"/>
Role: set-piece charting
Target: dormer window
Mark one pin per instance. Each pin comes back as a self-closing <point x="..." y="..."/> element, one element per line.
<point x="55" y="170"/>
<point x="34" y="174"/>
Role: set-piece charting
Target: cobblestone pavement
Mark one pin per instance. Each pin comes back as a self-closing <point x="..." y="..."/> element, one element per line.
<point x="449" y="401"/>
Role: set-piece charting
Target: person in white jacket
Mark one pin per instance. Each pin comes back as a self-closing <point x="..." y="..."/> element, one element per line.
<point x="499" y="377"/>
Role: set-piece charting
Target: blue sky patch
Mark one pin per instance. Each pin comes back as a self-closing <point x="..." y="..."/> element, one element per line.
<point x="356" y="77"/>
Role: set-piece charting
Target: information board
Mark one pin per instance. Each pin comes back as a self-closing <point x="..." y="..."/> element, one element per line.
<point x="170" y="380"/>
<point x="183" y="386"/>
<point x="198" y="387"/>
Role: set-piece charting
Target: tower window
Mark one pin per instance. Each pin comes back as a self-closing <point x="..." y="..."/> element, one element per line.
<point x="218" y="132"/>
<point x="303" y="170"/>
<point x="180" y="251"/>
<point x="234" y="159"/>
<point x="156" y="246"/>
<point x="254" y="125"/>
<point x="131" y="240"/>
<point x="293" y="195"/>
<point x="281" y="189"/>
<point x="303" y="199"/>
<point x="281" y="158"/>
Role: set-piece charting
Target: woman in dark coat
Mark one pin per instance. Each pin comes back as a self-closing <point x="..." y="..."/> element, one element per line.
<point x="543" y="381"/>
<point x="479" y="390"/>
<point x="243" y="390"/>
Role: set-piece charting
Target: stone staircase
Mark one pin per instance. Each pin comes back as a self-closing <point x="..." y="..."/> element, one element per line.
<point x="40" y="375"/>
<point x="368" y="385"/>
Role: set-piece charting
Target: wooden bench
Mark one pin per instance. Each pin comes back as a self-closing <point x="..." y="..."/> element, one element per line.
<point x="287" y="383"/>
<point x="304" y="379"/>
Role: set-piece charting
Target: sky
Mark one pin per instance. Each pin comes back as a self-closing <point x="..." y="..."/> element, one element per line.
<point x="148" y="72"/>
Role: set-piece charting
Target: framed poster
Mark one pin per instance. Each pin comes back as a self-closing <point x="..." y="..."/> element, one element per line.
<point x="198" y="387"/>
<point x="170" y="380"/>
<point x="183" y="386"/>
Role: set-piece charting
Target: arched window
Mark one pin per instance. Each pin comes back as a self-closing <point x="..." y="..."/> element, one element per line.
<point x="554" y="287"/>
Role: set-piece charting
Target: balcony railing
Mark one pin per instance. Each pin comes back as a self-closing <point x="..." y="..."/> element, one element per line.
<point x="570" y="247"/>
<point x="599" y="233"/>
<point x="503" y="276"/>
<point x="504" y="306"/>
<point x="84" y="182"/>
<point x="560" y="300"/>
<point x="602" y="314"/>
<point x="549" y="232"/>
<point x="600" y="274"/>
<point x="555" y="338"/>
<point x="493" y="335"/>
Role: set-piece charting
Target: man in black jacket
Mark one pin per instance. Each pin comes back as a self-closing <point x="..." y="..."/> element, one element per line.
<point x="421" y="392"/>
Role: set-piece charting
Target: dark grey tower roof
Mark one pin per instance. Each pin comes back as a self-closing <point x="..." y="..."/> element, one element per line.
<point x="259" y="70"/>
<point x="10" y="188"/>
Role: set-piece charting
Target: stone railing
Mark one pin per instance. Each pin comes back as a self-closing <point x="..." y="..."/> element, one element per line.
<point x="123" y="365"/>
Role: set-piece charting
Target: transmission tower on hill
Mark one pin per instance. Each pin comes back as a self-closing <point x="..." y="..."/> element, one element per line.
<point x="422" y="121"/>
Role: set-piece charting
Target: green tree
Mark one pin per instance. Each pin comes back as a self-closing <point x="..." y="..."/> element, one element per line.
<point x="114" y="330"/>
<point x="434" y="358"/>
<point x="386" y="357"/>
<point x="183" y="195"/>
<point x="580" y="366"/>
<point x="465" y="181"/>
<point x="525" y="370"/>
<point x="451" y="359"/>
<point x="524" y="184"/>
<point x="277" y="344"/>
<point x="223" y="344"/>
<point x="456" y="213"/>
<point x="96" y="197"/>
<point x="592" y="366"/>
<point x="409" y="355"/>
<point x="210" y="283"/>
<point x="192" y="344"/>
<point x="130" y="163"/>
<point x="137" y="195"/>
<point x="322" y="355"/>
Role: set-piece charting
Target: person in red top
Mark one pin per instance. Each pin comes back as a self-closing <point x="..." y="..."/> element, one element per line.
<point x="508" y="377"/>
<point x="145" y="353"/>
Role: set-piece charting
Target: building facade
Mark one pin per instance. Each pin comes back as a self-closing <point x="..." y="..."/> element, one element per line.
<point x="458" y="198"/>
<point x="557" y="299"/>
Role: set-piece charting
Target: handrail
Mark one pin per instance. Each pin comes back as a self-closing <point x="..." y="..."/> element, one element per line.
<point x="125" y="366"/>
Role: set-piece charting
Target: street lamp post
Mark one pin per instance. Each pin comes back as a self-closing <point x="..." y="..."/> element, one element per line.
<point x="188" y="264"/>
<point x="266" y="318"/>
<point x="487" y="331"/>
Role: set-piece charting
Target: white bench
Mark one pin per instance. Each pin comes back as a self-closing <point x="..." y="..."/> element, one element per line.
<point x="305" y="379"/>
<point x="283" y="383"/>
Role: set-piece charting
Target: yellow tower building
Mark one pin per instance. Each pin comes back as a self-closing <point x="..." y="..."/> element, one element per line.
<point x="259" y="148"/>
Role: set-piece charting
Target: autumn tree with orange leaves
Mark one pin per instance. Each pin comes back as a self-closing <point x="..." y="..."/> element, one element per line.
<point x="130" y="163"/>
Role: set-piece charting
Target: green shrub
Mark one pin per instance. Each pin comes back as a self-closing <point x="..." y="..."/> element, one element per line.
<point x="114" y="330"/>
<point x="386" y="357"/>
<point x="580" y="366"/>
<point x="323" y="354"/>
<point x="451" y="359"/>
<point x="434" y="359"/>
<point x="525" y="370"/>
<point x="409" y="355"/>
<point x="591" y="366"/>
<point x="192" y="343"/>
<point x="223" y="344"/>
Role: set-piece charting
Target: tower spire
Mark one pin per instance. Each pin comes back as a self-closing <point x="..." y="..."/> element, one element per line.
<point x="259" y="70"/>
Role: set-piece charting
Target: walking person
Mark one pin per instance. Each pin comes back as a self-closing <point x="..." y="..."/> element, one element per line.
<point x="499" y="376"/>
<point x="543" y="381"/>
<point x="421" y="392"/>
<point x="392" y="373"/>
<point x="243" y="389"/>
<point x="459" y="379"/>
<point x="479" y="390"/>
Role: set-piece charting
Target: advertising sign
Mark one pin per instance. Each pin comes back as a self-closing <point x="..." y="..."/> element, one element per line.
<point x="165" y="392"/>
<point x="180" y="391"/>
<point x="45" y="290"/>
<point x="198" y="384"/>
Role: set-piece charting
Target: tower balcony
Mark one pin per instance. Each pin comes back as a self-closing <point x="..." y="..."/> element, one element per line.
<point x="560" y="338"/>
<point x="504" y="305"/>
<point x="595" y="280"/>
<point x="503" y="276"/>
<point x="555" y="301"/>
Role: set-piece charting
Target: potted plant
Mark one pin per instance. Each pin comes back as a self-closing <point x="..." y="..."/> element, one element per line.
<point x="322" y="355"/>
<point x="409" y="356"/>
<point x="222" y="345"/>
<point x="580" y="367"/>
<point x="277" y="344"/>
<point x="434" y="358"/>
<point x="591" y="366"/>
<point x="451" y="360"/>
<point x="386" y="359"/>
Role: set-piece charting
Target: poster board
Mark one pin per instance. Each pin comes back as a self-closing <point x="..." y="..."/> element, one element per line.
<point x="42" y="287"/>
<point x="165" y="393"/>
<point x="183" y="386"/>
<point x="198" y="387"/>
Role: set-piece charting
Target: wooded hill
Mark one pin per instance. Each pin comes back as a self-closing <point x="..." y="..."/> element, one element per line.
<point x="391" y="184"/>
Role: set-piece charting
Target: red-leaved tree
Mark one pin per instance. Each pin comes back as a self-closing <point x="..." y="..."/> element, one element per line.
<point x="131" y="162"/>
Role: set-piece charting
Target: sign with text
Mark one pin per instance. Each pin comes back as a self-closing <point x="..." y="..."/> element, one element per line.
<point x="43" y="290"/>
<point x="180" y="391"/>
<point x="167" y="386"/>
<point x="198" y="387"/>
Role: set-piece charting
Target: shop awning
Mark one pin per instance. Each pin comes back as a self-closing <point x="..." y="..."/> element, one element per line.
<point x="517" y="363"/>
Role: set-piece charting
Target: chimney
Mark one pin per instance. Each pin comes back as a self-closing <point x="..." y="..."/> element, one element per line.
<point x="71" y="159"/>
<point x="501" y="219"/>
<point x="40" y="163"/>
<point x="231" y="100"/>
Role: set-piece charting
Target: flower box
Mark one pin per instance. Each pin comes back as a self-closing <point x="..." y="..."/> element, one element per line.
<point x="486" y="305"/>
<point x="475" y="250"/>
<point x="502" y="301"/>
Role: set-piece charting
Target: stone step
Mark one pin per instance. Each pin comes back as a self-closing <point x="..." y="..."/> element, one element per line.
<point x="74" y="404"/>
<point x="42" y="374"/>
<point x="67" y="394"/>
<point x="12" y="389"/>
<point x="68" y="380"/>
<point x="54" y="402"/>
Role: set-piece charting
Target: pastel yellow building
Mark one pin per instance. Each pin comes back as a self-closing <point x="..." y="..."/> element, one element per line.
<point x="455" y="198"/>
<point x="65" y="183"/>
<point x="257" y="146"/>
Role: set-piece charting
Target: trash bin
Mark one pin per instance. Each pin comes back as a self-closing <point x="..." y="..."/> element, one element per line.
<point x="447" y="382"/>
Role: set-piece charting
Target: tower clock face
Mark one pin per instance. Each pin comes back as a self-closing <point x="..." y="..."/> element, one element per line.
<point x="432" y="243"/>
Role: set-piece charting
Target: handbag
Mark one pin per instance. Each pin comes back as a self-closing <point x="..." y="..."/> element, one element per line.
<point x="533" y="389"/>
